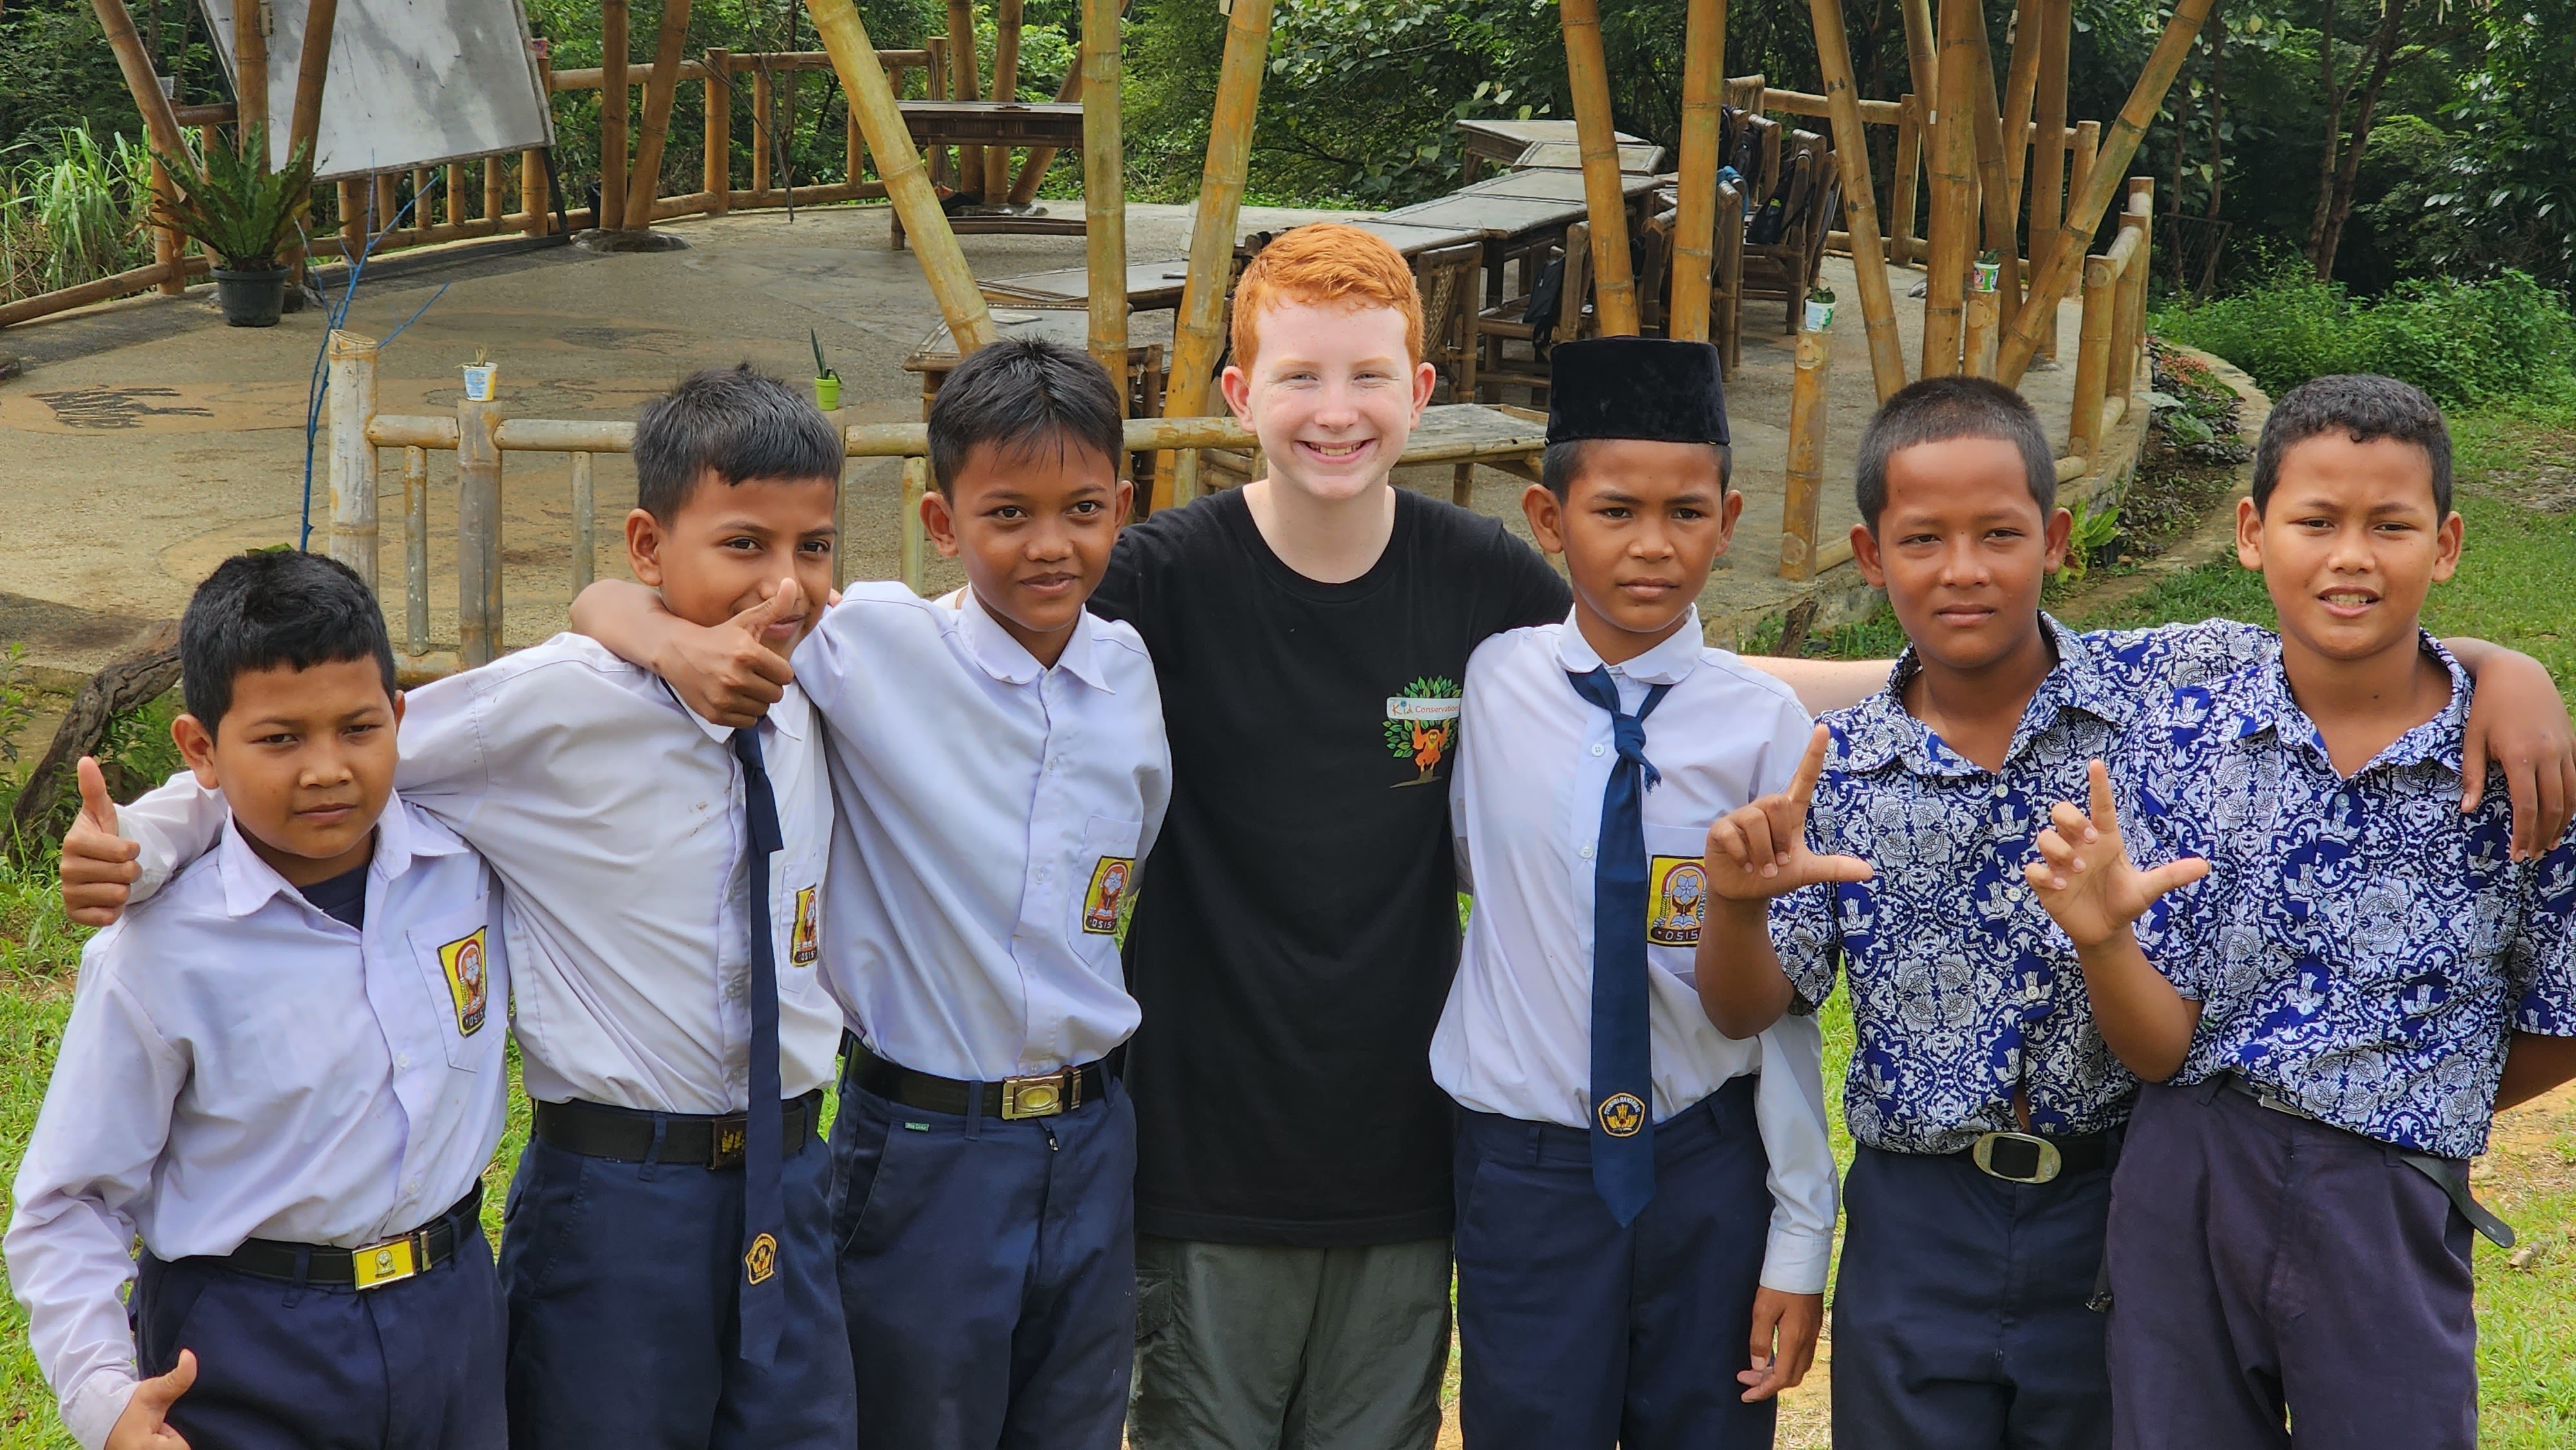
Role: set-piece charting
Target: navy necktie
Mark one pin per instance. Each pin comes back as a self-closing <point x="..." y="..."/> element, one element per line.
<point x="1623" y="1094"/>
<point x="763" y="1306"/>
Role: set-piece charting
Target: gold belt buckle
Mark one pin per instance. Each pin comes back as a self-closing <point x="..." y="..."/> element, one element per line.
<point x="1041" y="1096"/>
<point x="390" y="1262"/>
<point x="2044" y="1160"/>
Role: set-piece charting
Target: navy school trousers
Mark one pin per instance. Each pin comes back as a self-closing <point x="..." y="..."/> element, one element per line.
<point x="2265" y="1268"/>
<point x="411" y="1365"/>
<point x="1575" y="1333"/>
<point x="988" y="1270"/>
<point x="623" y="1281"/>
<point x="1961" y="1310"/>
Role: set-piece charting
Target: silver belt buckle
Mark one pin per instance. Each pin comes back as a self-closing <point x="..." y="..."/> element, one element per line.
<point x="2045" y="1162"/>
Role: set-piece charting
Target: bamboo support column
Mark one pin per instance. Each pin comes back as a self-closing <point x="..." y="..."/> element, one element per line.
<point x="167" y="253"/>
<point x="2020" y="85"/>
<point x="2129" y="310"/>
<point x="916" y="482"/>
<point x="496" y="192"/>
<point x="1922" y="54"/>
<point x="351" y="390"/>
<point x="250" y="83"/>
<point x="854" y="144"/>
<point x="2048" y="161"/>
<point x="717" y="172"/>
<point x="2084" y="211"/>
<point x="1798" y="508"/>
<point x="1695" y="224"/>
<point x="1104" y="188"/>
<point x="1953" y="194"/>
<point x="1993" y="192"/>
<point x="1908" y="243"/>
<point x="1979" y="348"/>
<point x="1614" y="281"/>
<point x="478" y="533"/>
<point x="353" y="218"/>
<point x="764" y="112"/>
<point x="863" y="80"/>
<point x="1006" y="87"/>
<point x="532" y="162"/>
<point x="312" y="65"/>
<point x="2092" y="360"/>
<point x="614" y="50"/>
<point x="1033" y="168"/>
<point x="644" y="183"/>
<point x="964" y="80"/>
<point x="454" y="188"/>
<point x="585" y="524"/>
<point x="1860" y="201"/>
<point x="1198" y="336"/>
<point x="160" y="121"/>
<point x="415" y="552"/>
<point x="2088" y="144"/>
<point x="388" y="202"/>
<point x="936" y="82"/>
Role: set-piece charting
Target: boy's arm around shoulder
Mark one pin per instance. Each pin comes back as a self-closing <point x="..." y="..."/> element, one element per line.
<point x="114" y="856"/>
<point x="102" y="1128"/>
<point x="2541" y="1051"/>
<point x="724" y="672"/>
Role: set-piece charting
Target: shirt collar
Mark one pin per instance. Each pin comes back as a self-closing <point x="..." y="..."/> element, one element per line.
<point x="250" y="882"/>
<point x="1006" y="659"/>
<point x="1668" y="663"/>
<point x="1879" y="730"/>
<point x="792" y="716"/>
<point x="2266" y="704"/>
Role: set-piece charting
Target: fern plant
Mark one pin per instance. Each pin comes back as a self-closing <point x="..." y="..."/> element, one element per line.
<point x="231" y="207"/>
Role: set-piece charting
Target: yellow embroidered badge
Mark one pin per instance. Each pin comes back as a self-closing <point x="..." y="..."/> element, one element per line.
<point x="805" y="942"/>
<point x="1622" y="1115"/>
<point x="1108" y="890"/>
<point x="762" y="1260"/>
<point x="1676" y="901"/>
<point x="462" y="961"/>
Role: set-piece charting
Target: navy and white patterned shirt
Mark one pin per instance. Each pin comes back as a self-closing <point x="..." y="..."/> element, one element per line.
<point x="1962" y="987"/>
<point x="2360" y="947"/>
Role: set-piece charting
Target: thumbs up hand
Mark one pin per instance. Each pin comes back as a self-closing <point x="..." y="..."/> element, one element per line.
<point x="145" y="1423"/>
<point x="98" y="865"/>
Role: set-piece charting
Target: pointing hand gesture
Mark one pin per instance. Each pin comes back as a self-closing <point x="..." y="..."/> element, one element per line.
<point x="98" y="865"/>
<point x="733" y="672"/>
<point x="1760" y="850"/>
<point x="2084" y="877"/>
<point x="145" y="1423"/>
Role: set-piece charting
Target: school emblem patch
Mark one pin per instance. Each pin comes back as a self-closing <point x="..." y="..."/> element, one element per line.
<point x="804" y="941"/>
<point x="762" y="1259"/>
<point x="1621" y="1115"/>
<point x="1422" y="725"/>
<point x="1107" y="892"/>
<point x="462" y="962"/>
<point x="1678" y="900"/>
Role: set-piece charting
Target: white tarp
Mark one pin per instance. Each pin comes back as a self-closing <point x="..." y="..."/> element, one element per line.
<point x="412" y="82"/>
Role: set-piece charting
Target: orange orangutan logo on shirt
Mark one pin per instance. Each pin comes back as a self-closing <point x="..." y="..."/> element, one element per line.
<point x="1422" y="725"/>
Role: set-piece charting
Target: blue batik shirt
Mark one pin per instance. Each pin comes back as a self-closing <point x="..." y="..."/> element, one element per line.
<point x="1962" y="987"/>
<point x="2360" y="947"/>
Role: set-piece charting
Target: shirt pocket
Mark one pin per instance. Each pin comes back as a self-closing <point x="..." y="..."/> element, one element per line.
<point x="1676" y="897"/>
<point x="1104" y="890"/>
<point x="462" y="968"/>
<point x="796" y="916"/>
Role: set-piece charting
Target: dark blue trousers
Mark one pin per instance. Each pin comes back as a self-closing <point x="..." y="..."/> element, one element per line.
<point x="2266" y="1268"/>
<point x="1960" y="1315"/>
<point x="414" y="1365"/>
<point x="988" y="1271"/>
<point x="1575" y="1333"/>
<point x="623" y="1280"/>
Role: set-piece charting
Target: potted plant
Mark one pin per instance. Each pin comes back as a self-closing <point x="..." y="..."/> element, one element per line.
<point x="827" y="383"/>
<point x="241" y="214"/>
<point x="1988" y="267"/>
<point x="1820" y="307"/>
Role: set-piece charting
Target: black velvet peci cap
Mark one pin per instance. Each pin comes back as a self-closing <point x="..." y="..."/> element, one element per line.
<point x="1658" y="389"/>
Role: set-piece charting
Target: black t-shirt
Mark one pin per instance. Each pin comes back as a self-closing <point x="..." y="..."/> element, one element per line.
<point x="343" y="897"/>
<point x="1297" y="925"/>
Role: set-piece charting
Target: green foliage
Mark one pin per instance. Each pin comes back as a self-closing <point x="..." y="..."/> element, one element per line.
<point x="71" y="208"/>
<point x="2462" y="342"/>
<point x="232" y="207"/>
<point x="2095" y="531"/>
<point x="15" y="711"/>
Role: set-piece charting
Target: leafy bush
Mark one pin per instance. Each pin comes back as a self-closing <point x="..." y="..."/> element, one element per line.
<point x="71" y="208"/>
<point x="2462" y="342"/>
<point x="233" y="208"/>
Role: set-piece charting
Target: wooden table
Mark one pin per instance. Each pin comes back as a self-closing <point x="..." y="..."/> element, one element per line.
<point x="935" y="356"/>
<point x="1505" y="142"/>
<point x="1548" y="185"/>
<point x="1056" y="124"/>
<point x="1567" y="156"/>
<point x="1151" y="286"/>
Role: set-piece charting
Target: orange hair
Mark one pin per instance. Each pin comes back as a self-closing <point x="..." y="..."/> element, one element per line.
<point x="1325" y="263"/>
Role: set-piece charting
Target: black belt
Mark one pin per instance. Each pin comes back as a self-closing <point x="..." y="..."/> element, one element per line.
<point x="2041" y="1157"/>
<point x="1039" y="1095"/>
<point x="627" y="1135"/>
<point x="2451" y="1175"/>
<point x="369" y="1266"/>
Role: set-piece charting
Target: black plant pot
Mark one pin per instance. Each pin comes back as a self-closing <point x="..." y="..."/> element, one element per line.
<point x="251" y="298"/>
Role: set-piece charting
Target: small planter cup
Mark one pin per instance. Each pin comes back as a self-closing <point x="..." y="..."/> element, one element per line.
<point x="1820" y="315"/>
<point x="827" y="394"/>
<point x="251" y="297"/>
<point x="1987" y="273"/>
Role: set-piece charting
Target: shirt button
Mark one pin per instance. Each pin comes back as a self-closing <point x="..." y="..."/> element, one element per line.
<point x="403" y="1060"/>
<point x="1585" y="853"/>
<point x="1596" y="750"/>
<point x="412" y="1187"/>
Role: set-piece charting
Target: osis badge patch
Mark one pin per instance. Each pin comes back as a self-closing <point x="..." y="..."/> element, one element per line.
<point x="1621" y="1115"/>
<point x="1107" y="892"/>
<point x="805" y="941"/>
<point x="1677" y="900"/>
<point x="762" y="1260"/>
<point x="462" y="963"/>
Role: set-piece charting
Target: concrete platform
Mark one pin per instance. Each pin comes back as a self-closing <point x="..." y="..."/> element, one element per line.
<point x="146" y="441"/>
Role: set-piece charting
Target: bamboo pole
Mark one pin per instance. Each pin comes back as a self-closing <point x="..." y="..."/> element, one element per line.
<point x="495" y="191"/>
<point x="1953" y="196"/>
<point x="312" y="65"/>
<point x="532" y="162"/>
<point x="454" y="187"/>
<point x="716" y="172"/>
<point x="2088" y="144"/>
<point x="1860" y="201"/>
<point x="1993" y="192"/>
<point x="1033" y="168"/>
<point x="964" y="80"/>
<point x="1806" y="457"/>
<point x="2128" y="314"/>
<point x="387" y="203"/>
<point x="166" y="247"/>
<point x="351" y="391"/>
<point x="2092" y="359"/>
<point x="353" y="219"/>
<point x="1006" y="87"/>
<point x="614" y="46"/>
<point x="1982" y="307"/>
<point x="1198" y="336"/>
<point x="250" y="83"/>
<point x="159" y="119"/>
<point x="854" y="144"/>
<point x="2021" y="84"/>
<point x="2048" y="163"/>
<point x="936" y="82"/>
<point x="1922" y="49"/>
<point x="1104" y="188"/>
<point x="585" y="524"/>
<point x="415" y="552"/>
<point x="644" y="182"/>
<point x="764" y="114"/>
<point x="1902" y="237"/>
<point x="478" y="533"/>
<point x="863" y="80"/>
<point x="1695" y="224"/>
<point x="2084" y="212"/>
<point x="1614" y="282"/>
<point x="916" y="482"/>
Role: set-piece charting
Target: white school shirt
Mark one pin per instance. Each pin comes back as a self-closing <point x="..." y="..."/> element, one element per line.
<point x="992" y="814"/>
<point x="614" y="816"/>
<point x="1525" y="801"/>
<point x="241" y="1065"/>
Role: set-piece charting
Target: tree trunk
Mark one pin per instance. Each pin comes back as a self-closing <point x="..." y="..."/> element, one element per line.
<point x="2382" y="61"/>
<point x="51" y="795"/>
<point x="2333" y="137"/>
